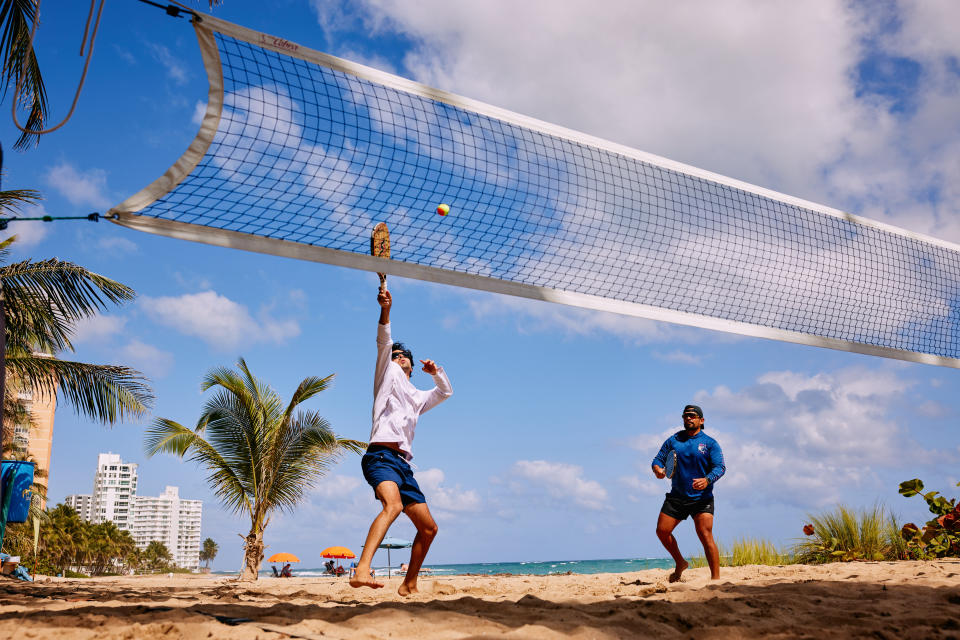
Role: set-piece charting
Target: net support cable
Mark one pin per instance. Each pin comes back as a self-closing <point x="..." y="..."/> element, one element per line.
<point x="300" y="153"/>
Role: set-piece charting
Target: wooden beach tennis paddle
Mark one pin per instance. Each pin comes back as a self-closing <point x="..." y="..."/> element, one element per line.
<point x="380" y="248"/>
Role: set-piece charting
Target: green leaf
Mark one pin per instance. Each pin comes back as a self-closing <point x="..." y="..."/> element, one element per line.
<point x="910" y="488"/>
<point x="940" y="505"/>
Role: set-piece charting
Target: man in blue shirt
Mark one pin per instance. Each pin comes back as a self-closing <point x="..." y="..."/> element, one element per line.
<point x="699" y="466"/>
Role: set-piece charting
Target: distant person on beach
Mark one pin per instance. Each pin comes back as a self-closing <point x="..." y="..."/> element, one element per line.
<point x="699" y="466"/>
<point x="287" y="571"/>
<point x="397" y="405"/>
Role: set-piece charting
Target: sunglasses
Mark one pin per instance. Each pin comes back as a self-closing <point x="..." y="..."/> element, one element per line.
<point x="690" y="415"/>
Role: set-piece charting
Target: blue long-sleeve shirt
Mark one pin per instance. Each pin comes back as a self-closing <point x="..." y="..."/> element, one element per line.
<point x="697" y="457"/>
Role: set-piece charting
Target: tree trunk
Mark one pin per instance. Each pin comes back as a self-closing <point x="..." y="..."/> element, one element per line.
<point x="252" y="555"/>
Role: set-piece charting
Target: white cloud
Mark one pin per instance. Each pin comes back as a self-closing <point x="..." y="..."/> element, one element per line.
<point x="336" y="487"/>
<point x="176" y="70"/>
<point x="152" y="361"/>
<point x="98" y="328"/>
<point x="199" y="110"/>
<point x="803" y="439"/>
<point x="717" y="83"/>
<point x="723" y="86"/>
<point x="680" y="357"/>
<point x="534" y="316"/>
<point x="217" y="320"/>
<point x="80" y="189"/>
<point x="444" y="498"/>
<point x="562" y="483"/>
<point x="124" y="54"/>
<point x="117" y="245"/>
<point x="641" y="488"/>
<point x="29" y="233"/>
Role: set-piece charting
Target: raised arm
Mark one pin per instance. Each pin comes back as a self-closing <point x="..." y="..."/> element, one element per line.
<point x="384" y="341"/>
<point x="385" y="300"/>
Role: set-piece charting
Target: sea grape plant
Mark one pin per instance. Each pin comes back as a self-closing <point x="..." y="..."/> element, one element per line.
<point x="940" y="536"/>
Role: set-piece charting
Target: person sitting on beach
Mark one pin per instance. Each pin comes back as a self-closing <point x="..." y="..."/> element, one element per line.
<point x="397" y="406"/>
<point x="699" y="466"/>
<point x="286" y="572"/>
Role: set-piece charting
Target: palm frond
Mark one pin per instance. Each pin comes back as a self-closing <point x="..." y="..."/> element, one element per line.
<point x="12" y="200"/>
<point x="106" y="393"/>
<point x="168" y="436"/>
<point x="17" y="17"/>
<point x="74" y="291"/>
<point x="308" y="388"/>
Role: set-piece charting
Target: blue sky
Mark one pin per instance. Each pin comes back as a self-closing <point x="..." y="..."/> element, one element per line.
<point x="543" y="452"/>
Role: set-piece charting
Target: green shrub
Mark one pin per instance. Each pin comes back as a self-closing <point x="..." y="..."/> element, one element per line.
<point x="939" y="537"/>
<point x="74" y="574"/>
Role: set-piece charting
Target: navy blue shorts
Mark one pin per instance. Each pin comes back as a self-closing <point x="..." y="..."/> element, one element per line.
<point x="382" y="464"/>
<point x="679" y="508"/>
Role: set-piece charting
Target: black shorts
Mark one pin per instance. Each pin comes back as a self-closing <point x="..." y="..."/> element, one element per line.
<point x="679" y="508"/>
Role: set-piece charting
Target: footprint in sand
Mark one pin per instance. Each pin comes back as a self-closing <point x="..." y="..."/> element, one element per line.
<point x="442" y="589"/>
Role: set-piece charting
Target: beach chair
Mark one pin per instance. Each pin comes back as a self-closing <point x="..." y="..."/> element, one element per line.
<point x="276" y="574"/>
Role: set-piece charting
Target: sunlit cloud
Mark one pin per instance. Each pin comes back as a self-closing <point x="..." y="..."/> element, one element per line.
<point x="558" y="482"/>
<point x="217" y="320"/>
<point x="86" y="188"/>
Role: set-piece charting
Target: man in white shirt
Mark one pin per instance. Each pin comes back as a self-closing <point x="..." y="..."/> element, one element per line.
<point x="397" y="406"/>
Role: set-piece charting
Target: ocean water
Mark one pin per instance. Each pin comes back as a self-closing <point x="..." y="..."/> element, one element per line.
<point x="514" y="568"/>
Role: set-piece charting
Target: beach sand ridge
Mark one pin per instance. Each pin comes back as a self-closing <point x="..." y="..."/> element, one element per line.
<point x="841" y="600"/>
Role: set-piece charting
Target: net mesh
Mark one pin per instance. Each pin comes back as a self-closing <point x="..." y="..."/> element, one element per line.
<point x="314" y="155"/>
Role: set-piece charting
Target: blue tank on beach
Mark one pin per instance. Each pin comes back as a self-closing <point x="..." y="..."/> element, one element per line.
<point x="17" y="478"/>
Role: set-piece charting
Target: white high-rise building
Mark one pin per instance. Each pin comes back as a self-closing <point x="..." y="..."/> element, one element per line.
<point x="173" y="521"/>
<point x="114" y="491"/>
<point x="82" y="504"/>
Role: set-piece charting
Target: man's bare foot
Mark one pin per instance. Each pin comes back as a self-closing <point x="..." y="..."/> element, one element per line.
<point x="407" y="589"/>
<point x="364" y="579"/>
<point x="675" y="576"/>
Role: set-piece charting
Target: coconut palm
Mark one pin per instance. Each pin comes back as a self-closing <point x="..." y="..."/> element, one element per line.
<point x="209" y="551"/>
<point x="107" y="547"/>
<point x="66" y="538"/>
<point x="42" y="301"/>
<point x="262" y="455"/>
<point x="156" y="556"/>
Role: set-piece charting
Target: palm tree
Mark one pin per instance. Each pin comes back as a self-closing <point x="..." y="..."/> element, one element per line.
<point x="66" y="538"/>
<point x="41" y="303"/>
<point x="209" y="551"/>
<point x="262" y="455"/>
<point x="156" y="556"/>
<point x="107" y="547"/>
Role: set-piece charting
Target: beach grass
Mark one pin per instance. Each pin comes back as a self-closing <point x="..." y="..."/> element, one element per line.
<point x="841" y="535"/>
<point x="747" y="551"/>
<point x="846" y="534"/>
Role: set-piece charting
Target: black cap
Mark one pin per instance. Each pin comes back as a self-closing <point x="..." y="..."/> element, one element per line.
<point x="693" y="408"/>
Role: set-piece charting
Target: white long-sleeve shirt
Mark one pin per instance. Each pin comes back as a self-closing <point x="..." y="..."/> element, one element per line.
<point x="397" y="404"/>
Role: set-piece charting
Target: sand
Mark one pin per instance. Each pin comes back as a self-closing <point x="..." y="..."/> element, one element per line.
<point x="851" y="600"/>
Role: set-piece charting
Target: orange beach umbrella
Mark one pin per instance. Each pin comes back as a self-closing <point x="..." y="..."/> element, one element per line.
<point x="283" y="557"/>
<point x="337" y="552"/>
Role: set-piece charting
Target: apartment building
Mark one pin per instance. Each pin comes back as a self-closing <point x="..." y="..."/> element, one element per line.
<point x="82" y="504"/>
<point x="114" y="491"/>
<point x="173" y="521"/>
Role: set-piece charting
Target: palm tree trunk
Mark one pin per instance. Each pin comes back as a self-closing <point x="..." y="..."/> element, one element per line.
<point x="252" y="554"/>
